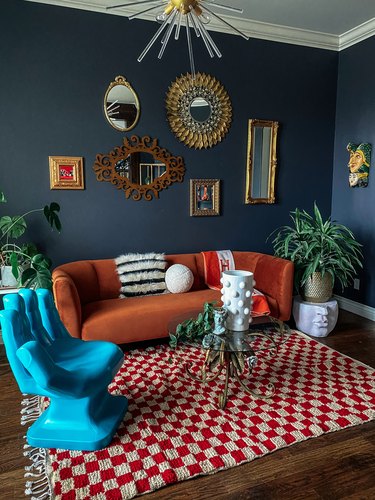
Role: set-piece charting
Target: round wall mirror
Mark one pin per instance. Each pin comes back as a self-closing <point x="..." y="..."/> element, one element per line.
<point x="199" y="110"/>
<point x="121" y="105"/>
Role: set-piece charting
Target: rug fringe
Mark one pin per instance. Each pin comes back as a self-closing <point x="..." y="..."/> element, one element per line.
<point x="37" y="485"/>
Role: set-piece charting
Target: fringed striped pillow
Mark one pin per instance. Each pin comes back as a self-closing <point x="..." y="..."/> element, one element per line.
<point x="141" y="274"/>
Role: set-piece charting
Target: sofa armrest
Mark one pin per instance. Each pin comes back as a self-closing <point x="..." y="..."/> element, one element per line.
<point x="67" y="301"/>
<point x="274" y="277"/>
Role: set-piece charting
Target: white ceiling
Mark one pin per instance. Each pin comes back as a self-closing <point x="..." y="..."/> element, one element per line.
<point x="335" y="17"/>
<point x="329" y="24"/>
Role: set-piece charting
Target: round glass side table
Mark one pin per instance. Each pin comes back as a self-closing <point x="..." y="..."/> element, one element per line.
<point x="236" y="353"/>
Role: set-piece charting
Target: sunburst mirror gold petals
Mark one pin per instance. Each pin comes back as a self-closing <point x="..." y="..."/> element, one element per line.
<point x="199" y="110"/>
<point x="140" y="167"/>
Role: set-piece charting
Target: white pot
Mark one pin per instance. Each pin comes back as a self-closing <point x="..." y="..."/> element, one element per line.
<point x="7" y="278"/>
<point x="237" y="290"/>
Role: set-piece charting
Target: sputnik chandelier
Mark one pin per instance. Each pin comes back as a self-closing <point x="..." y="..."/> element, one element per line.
<point x="193" y="14"/>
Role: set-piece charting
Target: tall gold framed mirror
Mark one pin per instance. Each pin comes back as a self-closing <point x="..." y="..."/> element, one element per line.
<point x="261" y="161"/>
<point x="121" y="105"/>
<point x="140" y="167"/>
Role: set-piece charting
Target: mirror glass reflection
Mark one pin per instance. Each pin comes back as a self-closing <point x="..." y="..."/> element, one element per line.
<point x="200" y="109"/>
<point x="261" y="162"/>
<point x="140" y="168"/>
<point x="121" y="105"/>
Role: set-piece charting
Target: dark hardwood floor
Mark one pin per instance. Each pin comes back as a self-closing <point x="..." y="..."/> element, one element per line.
<point x="334" y="466"/>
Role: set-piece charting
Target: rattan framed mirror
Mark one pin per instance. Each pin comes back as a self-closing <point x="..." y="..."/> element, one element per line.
<point x="140" y="167"/>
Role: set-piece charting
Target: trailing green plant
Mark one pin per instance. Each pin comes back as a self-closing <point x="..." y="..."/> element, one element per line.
<point x="321" y="246"/>
<point x="194" y="329"/>
<point x="31" y="268"/>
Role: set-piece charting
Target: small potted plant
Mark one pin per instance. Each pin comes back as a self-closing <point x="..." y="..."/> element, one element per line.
<point x="191" y="330"/>
<point x="322" y="251"/>
<point x="23" y="262"/>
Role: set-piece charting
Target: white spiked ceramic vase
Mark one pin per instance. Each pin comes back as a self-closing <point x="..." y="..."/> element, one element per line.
<point x="237" y="290"/>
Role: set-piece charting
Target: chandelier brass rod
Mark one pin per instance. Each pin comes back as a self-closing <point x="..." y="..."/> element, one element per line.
<point x="172" y="22"/>
<point x="191" y="56"/>
<point x="225" y="7"/>
<point x="153" y="39"/>
<point x="167" y="35"/>
<point x="191" y="17"/>
<point x="178" y="27"/>
<point x="225" y="22"/>
<point x="208" y="36"/>
<point x="143" y="12"/>
<point x="129" y="4"/>
<point x="173" y="15"/>
<point x="203" y="36"/>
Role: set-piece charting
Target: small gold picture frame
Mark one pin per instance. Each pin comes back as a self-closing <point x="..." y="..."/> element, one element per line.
<point x="66" y="172"/>
<point x="204" y="197"/>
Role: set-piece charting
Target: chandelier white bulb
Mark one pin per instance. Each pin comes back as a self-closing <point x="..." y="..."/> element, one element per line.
<point x="193" y="14"/>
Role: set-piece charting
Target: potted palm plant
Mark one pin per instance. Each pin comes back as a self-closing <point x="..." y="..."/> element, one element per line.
<point x="323" y="252"/>
<point x="22" y="264"/>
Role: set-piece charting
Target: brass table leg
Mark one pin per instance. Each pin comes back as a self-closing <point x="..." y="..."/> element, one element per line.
<point x="224" y="395"/>
<point x="234" y="365"/>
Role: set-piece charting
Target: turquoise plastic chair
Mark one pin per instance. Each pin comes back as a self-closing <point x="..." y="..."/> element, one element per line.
<point x="47" y="327"/>
<point x="72" y="373"/>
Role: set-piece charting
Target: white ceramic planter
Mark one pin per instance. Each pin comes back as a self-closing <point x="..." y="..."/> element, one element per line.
<point x="7" y="278"/>
<point x="315" y="319"/>
<point x="236" y="296"/>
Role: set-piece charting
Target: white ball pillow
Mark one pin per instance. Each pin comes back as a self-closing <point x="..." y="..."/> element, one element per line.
<point x="179" y="278"/>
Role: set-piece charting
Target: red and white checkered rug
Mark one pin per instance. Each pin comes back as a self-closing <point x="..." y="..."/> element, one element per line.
<point x="174" y="430"/>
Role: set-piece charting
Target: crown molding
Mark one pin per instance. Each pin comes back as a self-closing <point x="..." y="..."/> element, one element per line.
<point x="358" y="34"/>
<point x="254" y="29"/>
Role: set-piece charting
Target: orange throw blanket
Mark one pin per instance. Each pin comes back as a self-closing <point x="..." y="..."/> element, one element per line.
<point x="215" y="262"/>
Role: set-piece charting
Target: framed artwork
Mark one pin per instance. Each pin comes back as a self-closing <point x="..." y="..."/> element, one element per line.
<point x="204" y="197"/>
<point x="66" y="172"/>
<point x="359" y="163"/>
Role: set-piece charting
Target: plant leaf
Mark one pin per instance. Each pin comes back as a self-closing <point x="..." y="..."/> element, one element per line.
<point x="50" y="212"/>
<point x="36" y="278"/>
<point x="14" y="226"/>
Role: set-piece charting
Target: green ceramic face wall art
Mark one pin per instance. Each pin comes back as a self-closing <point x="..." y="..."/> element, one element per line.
<point x="359" y="163"/>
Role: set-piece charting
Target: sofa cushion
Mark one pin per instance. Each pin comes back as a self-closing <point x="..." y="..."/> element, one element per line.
<point x="188" y="260"/>
<point x="122" y="321"/>
<point x="179" y="278"/>
<point x="141" y="274"/>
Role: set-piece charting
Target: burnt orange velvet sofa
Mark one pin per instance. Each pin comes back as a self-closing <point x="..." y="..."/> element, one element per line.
<point x="86" y="294"/>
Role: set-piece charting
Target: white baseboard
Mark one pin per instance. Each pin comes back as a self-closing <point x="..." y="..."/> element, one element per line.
<point x="356" y="308"/>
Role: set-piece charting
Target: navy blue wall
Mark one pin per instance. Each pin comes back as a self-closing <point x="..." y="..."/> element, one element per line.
<point x="56" y="64"/>
<point x="355" y="123"/>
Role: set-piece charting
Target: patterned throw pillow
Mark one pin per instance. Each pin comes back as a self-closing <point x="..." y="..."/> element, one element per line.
<point x="141" y="274"/>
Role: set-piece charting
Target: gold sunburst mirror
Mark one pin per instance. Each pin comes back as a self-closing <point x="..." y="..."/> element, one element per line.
<point x="199" y="110"/>
<point x="140" y="167"/>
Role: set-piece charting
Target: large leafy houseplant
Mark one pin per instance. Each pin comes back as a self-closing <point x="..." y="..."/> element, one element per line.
<point x="31" y="268"/>
<point x="317" y="246"/>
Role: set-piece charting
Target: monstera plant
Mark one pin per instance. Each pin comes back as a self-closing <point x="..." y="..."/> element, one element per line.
<point x="29" y="267"/>
<point x="322" y="251"/>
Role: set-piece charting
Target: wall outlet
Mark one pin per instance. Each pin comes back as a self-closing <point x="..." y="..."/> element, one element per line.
<point x="356" y="283"/>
